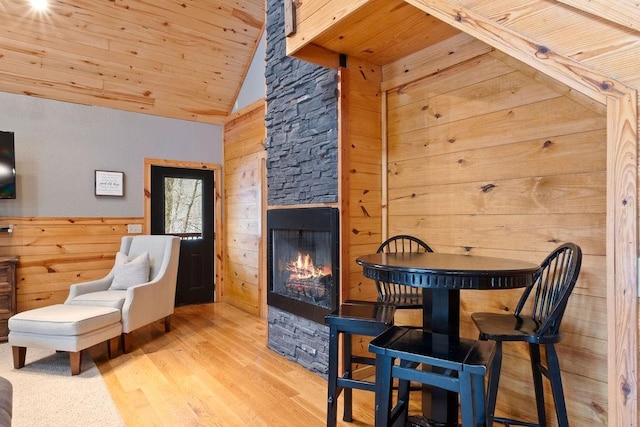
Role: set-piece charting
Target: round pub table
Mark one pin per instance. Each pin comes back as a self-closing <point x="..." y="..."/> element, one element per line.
<point x="442" y="277"/>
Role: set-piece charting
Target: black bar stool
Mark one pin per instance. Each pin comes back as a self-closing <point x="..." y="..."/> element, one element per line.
<point x="456" y="364"/>
<point x="546" y="299"/>
<point x="401" y="296"/>
<point x="367" y="319"/>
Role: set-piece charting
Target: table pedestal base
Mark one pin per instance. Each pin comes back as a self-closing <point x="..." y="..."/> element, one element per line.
<point x="441" y="314"/>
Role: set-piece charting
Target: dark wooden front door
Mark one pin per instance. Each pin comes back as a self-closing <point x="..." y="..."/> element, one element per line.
<point x="182" y="204"/>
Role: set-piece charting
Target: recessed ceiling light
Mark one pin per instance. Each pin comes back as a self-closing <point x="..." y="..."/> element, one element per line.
<point x="40" y="5"/>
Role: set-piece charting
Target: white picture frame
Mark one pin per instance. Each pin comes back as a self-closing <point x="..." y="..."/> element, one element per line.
<point x="109" y="183"/>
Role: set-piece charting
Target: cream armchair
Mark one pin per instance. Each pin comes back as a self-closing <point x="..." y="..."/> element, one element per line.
<point x="141" y="303"/>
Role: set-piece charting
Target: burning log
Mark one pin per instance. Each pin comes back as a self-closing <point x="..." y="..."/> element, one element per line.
<point x="306" y="280"/>
<point x="312" y="287"/>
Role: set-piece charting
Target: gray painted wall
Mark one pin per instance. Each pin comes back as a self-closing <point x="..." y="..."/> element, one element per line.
<point x="59" y="145"/>
<point x="253" y="87"/>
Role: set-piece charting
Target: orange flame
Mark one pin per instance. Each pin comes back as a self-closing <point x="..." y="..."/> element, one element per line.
<point x="303" y="268"/>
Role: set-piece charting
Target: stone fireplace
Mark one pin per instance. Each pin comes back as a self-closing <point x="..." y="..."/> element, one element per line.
<point x="303" y="282"/>
<point x="302" y="169"/>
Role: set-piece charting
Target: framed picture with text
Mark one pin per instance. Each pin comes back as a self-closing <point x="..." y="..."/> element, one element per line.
<point x="109" y="183"/>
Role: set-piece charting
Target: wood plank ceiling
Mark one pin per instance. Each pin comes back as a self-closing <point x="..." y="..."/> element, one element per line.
<point x="384" y="31"/>
<point x="182" y="59"/>
<point x="401" y="30"/>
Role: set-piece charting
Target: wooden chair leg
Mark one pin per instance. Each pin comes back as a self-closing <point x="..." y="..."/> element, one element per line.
<point x="112" y="347"/>
<point x="126" y="342"/>
<point x="19" y="356"/>
<point x="534" y="353"/>
<point x="466" y="399"/>
<point x="383" y="393"/>
<point x="75" y="360"/>
<point x="493" y="382"/>
<point x="347" y="365"/>
<point x="555" y="377"/>
<point x="332" y="387"/>
<point x="167" y="323"/>
<point x="479" y="398"/>
<point x="401" y="416"/>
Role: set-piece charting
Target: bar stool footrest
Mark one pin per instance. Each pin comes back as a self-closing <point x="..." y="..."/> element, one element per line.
<point x="357" y="384"/>
<point x="508" y="422"/>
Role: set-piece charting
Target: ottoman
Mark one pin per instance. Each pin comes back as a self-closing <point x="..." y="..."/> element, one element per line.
<point x="6" y="402"/>
<point x="63" y="327"/>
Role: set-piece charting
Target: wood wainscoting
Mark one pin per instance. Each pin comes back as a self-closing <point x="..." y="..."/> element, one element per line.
<point x="245" y="210"/>
<point x="57" y="252"/>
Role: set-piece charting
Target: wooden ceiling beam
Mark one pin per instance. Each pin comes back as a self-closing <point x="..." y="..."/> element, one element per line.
<point x="623" y="12"/>
<point x="566" y="70"/>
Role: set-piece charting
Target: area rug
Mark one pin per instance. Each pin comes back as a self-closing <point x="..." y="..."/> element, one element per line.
<point x="45" y="394"/>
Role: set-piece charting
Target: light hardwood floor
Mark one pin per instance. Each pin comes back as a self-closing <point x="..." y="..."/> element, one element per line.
<point x="214" y="369"/>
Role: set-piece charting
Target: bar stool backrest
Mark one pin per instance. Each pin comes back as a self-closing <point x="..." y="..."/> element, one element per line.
<point x="392" y="292"/>
<point x="546" y="299"/>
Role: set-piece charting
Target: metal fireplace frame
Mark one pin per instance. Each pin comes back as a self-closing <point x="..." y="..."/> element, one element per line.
<point x="322" y="219"/>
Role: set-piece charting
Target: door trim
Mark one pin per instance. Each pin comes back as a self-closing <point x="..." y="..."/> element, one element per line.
<point x="217" y="223"/>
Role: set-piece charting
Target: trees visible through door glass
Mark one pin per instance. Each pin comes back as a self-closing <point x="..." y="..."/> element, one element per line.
<point x="183" y="207"/>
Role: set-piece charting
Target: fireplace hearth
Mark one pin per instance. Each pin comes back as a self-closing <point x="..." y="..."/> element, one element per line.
<point x="302" y="261"/>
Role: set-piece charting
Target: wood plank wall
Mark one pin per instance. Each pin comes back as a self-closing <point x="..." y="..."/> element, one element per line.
<point x="361" y="172"/>
<point x="244" y="207"/>
<point x="485" y="159"/>
<point x="57" y="252"/>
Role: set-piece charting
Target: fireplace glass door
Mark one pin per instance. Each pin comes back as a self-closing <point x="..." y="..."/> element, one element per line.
<point x="303" y="261"/>
<point x="302" y="265"/>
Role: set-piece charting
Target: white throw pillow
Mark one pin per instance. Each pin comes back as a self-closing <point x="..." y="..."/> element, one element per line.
<point x="130" y="272"/>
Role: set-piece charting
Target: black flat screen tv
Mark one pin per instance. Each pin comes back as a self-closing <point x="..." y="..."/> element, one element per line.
<point x="7" y="166"/>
